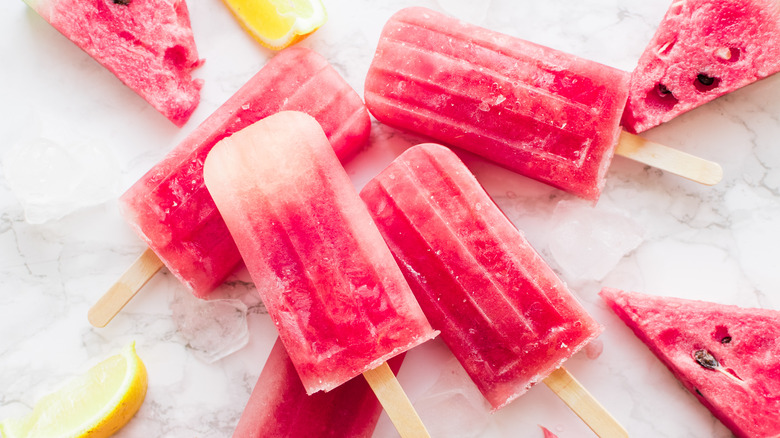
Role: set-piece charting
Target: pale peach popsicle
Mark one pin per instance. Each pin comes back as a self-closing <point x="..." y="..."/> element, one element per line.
<point x="327" y="278"/>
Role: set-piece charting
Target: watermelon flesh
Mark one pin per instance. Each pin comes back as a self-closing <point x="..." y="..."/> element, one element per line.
<point x="702" y="49"/>
<point x="147" y="44"/>
<point x="728" y="357"/>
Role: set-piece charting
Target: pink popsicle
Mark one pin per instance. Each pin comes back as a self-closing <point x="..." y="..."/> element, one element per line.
<point x="171" y="209"/>
<point x="502" y="311"/>
<point x="280" y="407"/>
<point x="543" y="113"/>
<point x="328" y="280"/>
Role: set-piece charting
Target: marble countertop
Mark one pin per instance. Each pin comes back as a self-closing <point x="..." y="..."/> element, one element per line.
<point x="651" y="232"/>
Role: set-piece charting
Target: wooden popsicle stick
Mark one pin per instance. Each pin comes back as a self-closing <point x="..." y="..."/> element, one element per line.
<point x="136" y="276"/>
<point x="671" y="160"/>
<point x="579" y="400"/>
<point x="395" y="402"/>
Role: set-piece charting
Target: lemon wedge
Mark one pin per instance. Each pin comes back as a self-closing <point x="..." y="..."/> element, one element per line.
<point x="96" y="404"/>
<point x="277" y="24"/>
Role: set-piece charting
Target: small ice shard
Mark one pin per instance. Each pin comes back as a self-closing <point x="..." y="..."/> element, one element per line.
<point x="469" y="10"/>
<point x="52" y="180"/>
<point x="212" y="329"/>
<point x="590" y="241"/>
<point x="468" y="413"/>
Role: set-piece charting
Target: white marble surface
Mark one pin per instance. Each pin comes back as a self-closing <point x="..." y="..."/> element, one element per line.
<point x="676" y="238"/>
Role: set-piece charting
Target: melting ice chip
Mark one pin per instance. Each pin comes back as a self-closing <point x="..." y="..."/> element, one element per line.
<point x="469" y="10"/>
<point x="454" y="393"/>
<point x="52" y="180"/>
<point x="590" y="241"/>
<point x="212" y="329"/>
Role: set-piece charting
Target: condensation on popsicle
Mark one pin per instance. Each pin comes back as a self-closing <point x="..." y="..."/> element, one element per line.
<point x="502" y="311"/>
<point x="543" y="113"/>
<point x="171" y="209"/>
<point x="328" y="280"/>
<point x="280" y="407"/>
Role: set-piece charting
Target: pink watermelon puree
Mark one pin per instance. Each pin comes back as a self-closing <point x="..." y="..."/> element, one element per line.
<point x="543" y="113"/>
<point x="171" y="209"/>
<point x="728" y="357"/>
<point x="702" y="49"/>
<point x="147" y="44"/>
<point x="328" y="280"/>
<point x="501" y="310"/>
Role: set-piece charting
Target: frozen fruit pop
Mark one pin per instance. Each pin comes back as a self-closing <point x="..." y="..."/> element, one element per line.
<point x="280" y="407"/>
<point x="543" y="113"/>
<point x="328" y="280"/>
<point x="170" y="208"/>
<point x="501" y="310"/>
<point x="702" y="49"/>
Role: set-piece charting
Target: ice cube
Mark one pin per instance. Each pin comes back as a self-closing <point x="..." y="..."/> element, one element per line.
<point x="588" y="242"/>
<point x="468" y="413"/>
<point x="472" y="11"/>
<point x="212" y="329"/>
<point x="52" y="180"/>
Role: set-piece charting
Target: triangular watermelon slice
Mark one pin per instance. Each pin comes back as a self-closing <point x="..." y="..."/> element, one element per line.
<point x="727" y="356"/>
<point x="701" y="50"/>
<point x="147" y="44"/>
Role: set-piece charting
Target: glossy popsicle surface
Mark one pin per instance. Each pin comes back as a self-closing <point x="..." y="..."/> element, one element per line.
<point x="543" y="113"/>
<point x="502" y="311"/>
<point x="328" y="280"/>
<point x="171" y="209"/>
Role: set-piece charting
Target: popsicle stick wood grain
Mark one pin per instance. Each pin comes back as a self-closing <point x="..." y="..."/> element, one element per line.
<point x="568" y="389"/>
<point x="128" y="285"/>
<point x="395" y="402"/>
<point x="671" y="160"/>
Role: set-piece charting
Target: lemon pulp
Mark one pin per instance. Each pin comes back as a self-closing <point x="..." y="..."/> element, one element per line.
<point x="96" y="404"/>
<point x="279" y="23"/>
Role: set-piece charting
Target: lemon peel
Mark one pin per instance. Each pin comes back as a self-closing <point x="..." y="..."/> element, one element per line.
<point x="94" y="405"/>
<point x="277" y="24"/>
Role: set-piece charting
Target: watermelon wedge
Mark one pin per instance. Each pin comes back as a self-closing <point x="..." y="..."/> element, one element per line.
<point x="728" y="357"/>
<point x="702" y="49"/>
<point x="147" y="44"/>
